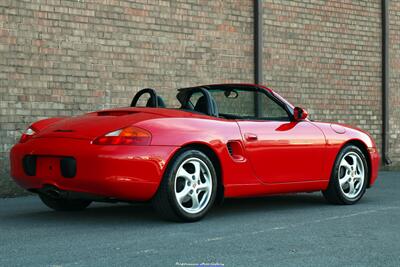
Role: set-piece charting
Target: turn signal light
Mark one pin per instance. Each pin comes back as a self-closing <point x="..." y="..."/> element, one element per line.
<point x="27" y="135"/>
<point x="127" y="136"/>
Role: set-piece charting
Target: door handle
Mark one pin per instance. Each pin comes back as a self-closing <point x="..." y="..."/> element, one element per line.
<point x="250" y="137"/>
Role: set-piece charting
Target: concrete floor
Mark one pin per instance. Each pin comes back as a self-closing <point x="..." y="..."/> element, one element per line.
<point x="290" y="230"/>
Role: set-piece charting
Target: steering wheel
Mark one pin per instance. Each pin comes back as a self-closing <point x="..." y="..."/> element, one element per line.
<point x="153" y="100"/>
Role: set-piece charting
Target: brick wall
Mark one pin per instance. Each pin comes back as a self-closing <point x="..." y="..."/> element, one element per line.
<point x="326" y="56"/>
<point x="60" y="58"/>
<point x="68" y="57"/>
<point x="394" y="147"/>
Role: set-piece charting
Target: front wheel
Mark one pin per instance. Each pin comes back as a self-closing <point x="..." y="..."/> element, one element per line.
<point x="188" y="188"/>
<point x="349" y="177"/>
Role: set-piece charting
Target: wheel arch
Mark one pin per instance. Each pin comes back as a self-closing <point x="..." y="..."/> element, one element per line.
<point x="364" y="149"/>
<point x="209" y="152"/>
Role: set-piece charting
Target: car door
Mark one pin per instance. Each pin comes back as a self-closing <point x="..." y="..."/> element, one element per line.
<point x="281" y="150"/>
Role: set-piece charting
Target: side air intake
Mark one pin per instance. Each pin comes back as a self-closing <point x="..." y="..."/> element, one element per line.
<point x="230" y="150"/>
<point x="235" y="150"/>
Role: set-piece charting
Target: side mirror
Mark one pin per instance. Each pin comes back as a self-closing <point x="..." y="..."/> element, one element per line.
<point x="299" y="114"/>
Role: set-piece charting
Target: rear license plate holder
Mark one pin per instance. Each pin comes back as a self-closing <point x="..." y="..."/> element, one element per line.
<point x="48" y="167"/>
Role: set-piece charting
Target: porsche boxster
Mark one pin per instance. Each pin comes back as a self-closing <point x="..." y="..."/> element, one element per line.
<point x="221" y="141"/>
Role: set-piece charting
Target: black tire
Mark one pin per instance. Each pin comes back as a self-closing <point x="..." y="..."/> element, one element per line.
<point x="165" y="202"/>
<point x="334" y="193"/>
<point x="60" y="204"/>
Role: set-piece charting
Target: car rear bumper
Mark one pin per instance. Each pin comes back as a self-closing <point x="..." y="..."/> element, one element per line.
<point x="120" y="172"/>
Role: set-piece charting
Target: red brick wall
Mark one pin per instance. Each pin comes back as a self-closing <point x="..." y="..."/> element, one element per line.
<point x="62" y="58"/>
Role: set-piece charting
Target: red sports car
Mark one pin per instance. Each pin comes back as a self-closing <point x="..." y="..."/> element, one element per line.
<point x="226" y="140"/>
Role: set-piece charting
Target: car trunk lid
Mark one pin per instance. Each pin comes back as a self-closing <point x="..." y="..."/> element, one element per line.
<point x="93" y="125"/>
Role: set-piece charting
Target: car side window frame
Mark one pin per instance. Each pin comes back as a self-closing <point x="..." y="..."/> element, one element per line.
<point x="277" y="101"/>
<point x="280" y="103"/>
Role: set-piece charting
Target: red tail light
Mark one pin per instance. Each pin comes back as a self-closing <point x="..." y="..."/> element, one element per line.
<point x="27" y="135"/>
<point x="127" y="136"/>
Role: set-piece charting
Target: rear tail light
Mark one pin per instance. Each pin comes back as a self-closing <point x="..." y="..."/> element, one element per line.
<point x="127" y="136"/>
<point x="27" y="135"/>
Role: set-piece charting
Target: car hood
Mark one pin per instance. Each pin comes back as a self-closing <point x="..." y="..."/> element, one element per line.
<point x="348" y="132"/>
<point x="342" y="128"/>
<point x="95" y="124"/>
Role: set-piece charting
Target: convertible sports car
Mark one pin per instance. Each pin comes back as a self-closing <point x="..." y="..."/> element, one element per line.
<point x="226" y="140"/>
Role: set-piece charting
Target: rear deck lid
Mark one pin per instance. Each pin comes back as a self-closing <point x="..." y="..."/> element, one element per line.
<point x="93" y="125"/>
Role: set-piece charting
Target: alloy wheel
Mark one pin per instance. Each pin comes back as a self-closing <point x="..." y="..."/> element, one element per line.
<point x="351" y="175"/>
<point x="193" y="185"/>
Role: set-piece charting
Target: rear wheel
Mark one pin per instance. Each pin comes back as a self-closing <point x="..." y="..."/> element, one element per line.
<point x="188" y="188"/>
<point x="60" y="204"/>
<point x="349" y="177"/>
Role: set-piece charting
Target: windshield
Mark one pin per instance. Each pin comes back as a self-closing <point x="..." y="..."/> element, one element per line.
<point x="240" y="104"/>
<point x="229" y="102"/>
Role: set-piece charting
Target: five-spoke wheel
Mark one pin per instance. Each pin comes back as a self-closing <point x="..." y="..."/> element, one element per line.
<point x="349" y="177"/>
<point x="188" y="188"/>
<point x="193" y="185"/>
<point x="351" y="174"/>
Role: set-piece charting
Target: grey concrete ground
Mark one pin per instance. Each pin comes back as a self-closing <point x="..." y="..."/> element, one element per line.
<point x="291" y="230"/>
